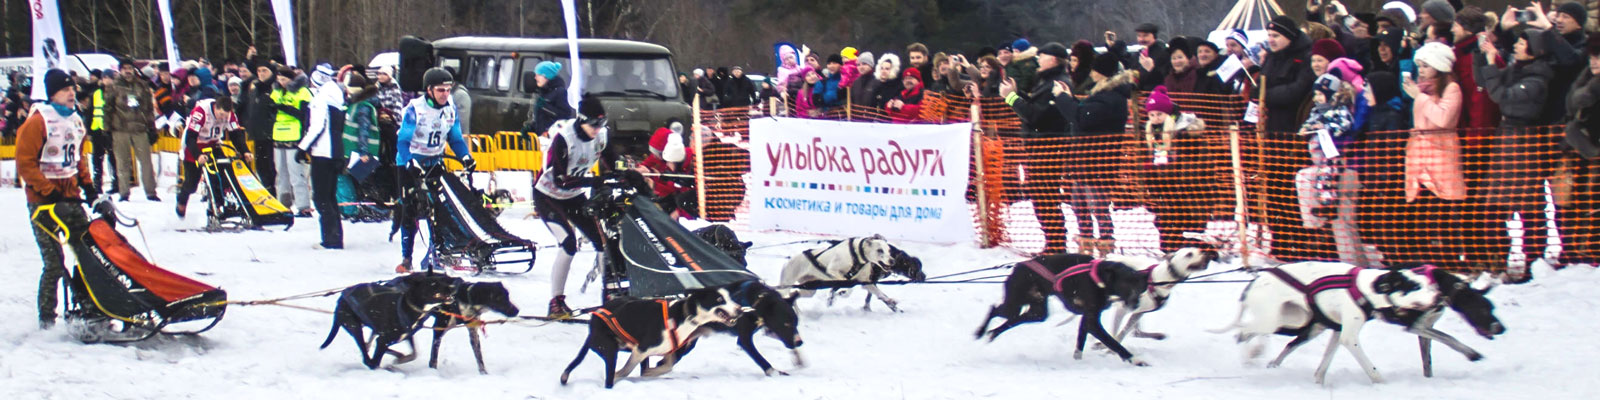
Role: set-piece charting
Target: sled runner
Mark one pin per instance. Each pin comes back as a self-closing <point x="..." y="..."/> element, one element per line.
<point x="115" y="295"/>
<point x="236" y="198"/>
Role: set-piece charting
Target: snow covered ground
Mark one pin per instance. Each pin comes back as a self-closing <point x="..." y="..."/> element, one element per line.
<point x="927" y="352"/>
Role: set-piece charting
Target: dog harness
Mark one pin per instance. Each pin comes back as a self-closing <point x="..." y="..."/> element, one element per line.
<point x="666" y="321"/>
<point x="1344" y="281"/>
<point x="856" y="262"/>
<point x="1092" y="267"/>
<point x="1426" y="270"/>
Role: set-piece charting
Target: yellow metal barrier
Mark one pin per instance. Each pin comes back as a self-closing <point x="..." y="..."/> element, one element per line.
<point x="8" y="148"/>
<point x="517" y="152"/>
<point x="168" y="144"/>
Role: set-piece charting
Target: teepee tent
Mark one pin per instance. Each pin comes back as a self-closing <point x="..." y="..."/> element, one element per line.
<point x="1250" y="15"/>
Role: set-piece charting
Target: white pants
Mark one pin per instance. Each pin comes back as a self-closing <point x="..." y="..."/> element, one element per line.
<point x="293" y="185"/>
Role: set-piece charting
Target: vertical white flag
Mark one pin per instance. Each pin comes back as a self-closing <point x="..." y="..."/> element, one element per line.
<point x="48" y="43"/>
<point x="574" y="88"/>
<point x="285" y="15"/>
<point x="166" y="23"/>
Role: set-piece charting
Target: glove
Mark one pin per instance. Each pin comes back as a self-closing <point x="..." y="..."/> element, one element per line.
<point x="53" y="197"/>
<point x="469" y="164"/>
<point x="90" y="193"/>
<point x="302" y="157"/>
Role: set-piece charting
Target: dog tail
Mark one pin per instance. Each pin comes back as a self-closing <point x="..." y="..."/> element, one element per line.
<point x="334" y="332"/>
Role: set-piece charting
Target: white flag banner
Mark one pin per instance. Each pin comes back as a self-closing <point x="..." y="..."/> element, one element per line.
<point x="906" y="182"/>
<point x="172" y="46"/>
<point x="285" y="16"/>
<point x="569" y="11"/>
<point x="49" y="46"/>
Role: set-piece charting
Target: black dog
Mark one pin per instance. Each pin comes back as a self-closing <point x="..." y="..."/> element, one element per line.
<point x="1459" y="296"/>
<point x="724" y="239"/>
<point x="650" y="328"/>
<point x="470" y="300"/>
<point x="394" y="310"/>
<point x="1086" y="286"/>
<point x="766" y="309"/>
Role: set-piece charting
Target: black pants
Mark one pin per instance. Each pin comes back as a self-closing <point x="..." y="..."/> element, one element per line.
<point x="77" y="223"/>
<point x="566" y="214"/>
<point x="102" y="149"/>
<point x="191" y="180"/>
<point x="325" y="197"/>
<point x="265" y="168"/>
<point x="1044" y="186"/>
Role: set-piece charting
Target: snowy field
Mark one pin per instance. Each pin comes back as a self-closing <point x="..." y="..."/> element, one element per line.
<point x="926" y="352"/>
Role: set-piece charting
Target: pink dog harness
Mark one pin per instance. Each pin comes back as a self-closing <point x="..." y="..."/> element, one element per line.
<point x="1092" y="267"/>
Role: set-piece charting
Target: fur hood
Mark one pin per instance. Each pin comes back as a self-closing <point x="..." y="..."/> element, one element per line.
<point x="894" y="73"/>
<point x="1125" y="78"/>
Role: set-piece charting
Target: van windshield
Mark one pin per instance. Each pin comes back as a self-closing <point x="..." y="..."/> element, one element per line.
<point x="614" y="75"/>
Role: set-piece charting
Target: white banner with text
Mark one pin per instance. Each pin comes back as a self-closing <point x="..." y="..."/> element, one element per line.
<point x="906" y="182"/>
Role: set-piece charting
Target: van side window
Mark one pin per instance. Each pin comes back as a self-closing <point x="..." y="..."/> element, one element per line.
<point x="524" y="77"/>
<point x="483" y="78"/>
<point x="507" y="69"/>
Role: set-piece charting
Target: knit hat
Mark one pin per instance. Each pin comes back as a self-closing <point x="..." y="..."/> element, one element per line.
<point x="1238" y="35"/>
<point x="56" y="80"/>
<point x="1440" y="10"/>
<point x="1327" y="85"/>
<point x="1148" y="28"/>
<point x="1107" y="66"/>
<point x="912" y="72"/>
<point x="235" y="81"/>
<point x="1403" y="8"/>
<point x="1348" y="70"/>
<point x="849" y="53"/>
<point x="590" y="111"/>
<point x="834" y="59"/>
<point x="386" y="70"/>
<point x="1206" y="43"/>
<point x="1437" y="56"/>
<point x="1159" y="101"/>
<point x="1328" y="49"/>
<point x="1020" y="45"/>
<point x="1575" y="9"/>
<point x="322" y="74"/>
<point x="673" y="150"/>
<point x="547" y="69"/>
<point x="1391" y="38"/>
<point x="1054" y="49"/>
<point x="1285" y="26"/>
<point x="866" y="57"/>
<point x="1180" y="44"/>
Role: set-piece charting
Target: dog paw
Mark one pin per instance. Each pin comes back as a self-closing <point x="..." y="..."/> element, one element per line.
<point x="1137" y="362"/>
<point x="771" y="371"/>
<point x="1077" y="355"/>
<point x="1150" y="335"/>
<point x="1273" y="364"/>
<point x="1474" y="357"/>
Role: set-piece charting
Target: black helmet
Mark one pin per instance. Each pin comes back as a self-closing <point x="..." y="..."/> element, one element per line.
<point x="436" y="76"/>
<point x="590" y="111"/>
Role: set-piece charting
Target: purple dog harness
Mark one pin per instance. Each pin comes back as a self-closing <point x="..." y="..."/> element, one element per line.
<point x="1344" y="281"/>
<point x="1091" y="267"/>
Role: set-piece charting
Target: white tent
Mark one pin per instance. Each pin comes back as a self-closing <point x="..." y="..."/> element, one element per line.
<point x="1250" y="15"/>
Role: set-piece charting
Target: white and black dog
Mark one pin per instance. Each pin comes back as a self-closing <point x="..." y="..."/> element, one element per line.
<point x="863" y="260"/>
<point x="765" y="309"/>
<point x="650" y="328"/>
<point x="1164" y="275"/>
<point x="1085" y="285"/>
<point x="1306" y="298"/>
<point x="470" y="300"/>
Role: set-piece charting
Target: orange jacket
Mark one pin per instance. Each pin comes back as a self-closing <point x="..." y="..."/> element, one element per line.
<point x="30" y="142"/>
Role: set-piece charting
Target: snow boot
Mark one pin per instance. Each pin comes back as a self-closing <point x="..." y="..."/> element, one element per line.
<point x="404" y="267"/>
<point x="559" y="309"/>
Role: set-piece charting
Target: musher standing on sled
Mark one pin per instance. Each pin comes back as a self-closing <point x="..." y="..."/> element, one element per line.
<point x="50" y="160"/>
<point x="426" y="125"/>
<point x="578" y="144"/>
<point x="211" y="121"/>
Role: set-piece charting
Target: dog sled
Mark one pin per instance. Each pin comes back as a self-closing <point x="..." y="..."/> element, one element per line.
<point x="646" y="253"/>
<point x="114" y="294"/>
<point x="464" y="234"/>
<point x="236" y="199"/>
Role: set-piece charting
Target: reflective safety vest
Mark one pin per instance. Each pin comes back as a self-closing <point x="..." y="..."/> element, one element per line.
<point x="287" y="128"/>
<point x="98" y="123"/>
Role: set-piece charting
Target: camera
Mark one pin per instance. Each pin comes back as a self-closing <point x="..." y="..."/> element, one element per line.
<point x="1525" y="16"/>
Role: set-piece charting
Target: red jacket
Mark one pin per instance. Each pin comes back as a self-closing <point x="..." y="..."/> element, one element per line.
<point x="666" y="186"/>
<point x="1477" y="110"/>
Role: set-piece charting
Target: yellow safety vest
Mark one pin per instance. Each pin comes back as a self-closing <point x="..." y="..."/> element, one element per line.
<point x="287" y="127"/>
<point x="99" y="110"/>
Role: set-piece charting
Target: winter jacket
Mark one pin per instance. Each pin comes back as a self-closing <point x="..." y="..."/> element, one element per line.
<point x="1162" y="62"/>
<point x="827" y="91"/>
<point x="1104" y="111"/>
<point x="1583" y="116"/>
<point x="1520" y="89"/>
<point x="912" y="109"/>
<point x="1433" y="153"/>
<point x="886" y="90"/>
<point x="863" y="89"/>
<point x="1208" y="81"/>
<point x="293" y="109"/>
<point x="1477" y="110"/>
<point x="1037" y="107"/>
<point x="549" y="105"/>
<point x="1288" y="77"/>
<point x="848" y="75"/>
<point x="740" y="92"/>
<point x="202" y="120"/>
<point x="1183" y="82"/>
<point x="259" y="113"/>
<point x="130" y="107"/>
<point x="707" y="92"/>
<point x="31" y="141"/>
<point x="1024" y="65"/>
